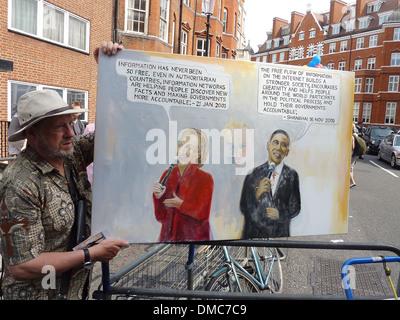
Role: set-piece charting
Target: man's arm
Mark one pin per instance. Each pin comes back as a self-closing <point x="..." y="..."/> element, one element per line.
<point x="63" y="261"/>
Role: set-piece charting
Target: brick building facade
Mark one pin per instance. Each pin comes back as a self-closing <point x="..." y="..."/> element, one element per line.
<point x="179" y="26"/>
<point x="363" y="37"/>
<point x="50" y="43"/>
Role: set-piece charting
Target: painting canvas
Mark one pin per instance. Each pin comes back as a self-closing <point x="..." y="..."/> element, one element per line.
<point x="197" y="149"/>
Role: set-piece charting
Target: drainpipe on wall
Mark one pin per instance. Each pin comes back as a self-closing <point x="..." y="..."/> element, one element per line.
<point x="180" y="27"/>
<point x="194" y="28"/>
<point x="115" y="31"/>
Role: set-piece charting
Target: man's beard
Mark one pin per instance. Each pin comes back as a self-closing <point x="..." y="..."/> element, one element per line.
<point x="52" y="152"/>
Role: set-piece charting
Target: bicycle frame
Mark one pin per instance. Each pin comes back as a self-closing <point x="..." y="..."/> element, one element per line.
<point x="262" y="278"/>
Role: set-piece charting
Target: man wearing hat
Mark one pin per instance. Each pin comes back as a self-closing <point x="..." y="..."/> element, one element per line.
<point x="37" y="210"/>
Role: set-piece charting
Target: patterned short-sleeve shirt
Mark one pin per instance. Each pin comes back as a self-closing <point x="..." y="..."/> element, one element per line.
<point x="37" y="214"/>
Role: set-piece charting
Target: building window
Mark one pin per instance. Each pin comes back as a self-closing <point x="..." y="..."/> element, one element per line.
<point x="164" y="13"/>
<point x="300" y="53"/>
<point x="282" y="56"/>
<point x="276" y="43"/>
<point x="17" y="89"/>
<point x="136" y="15"/>
<point x="269" y="44"/>
<point x="331" y="66"/>
<point x="286" y="40"/>
<point x="301" y="35"/>
<point x="384" y="18"/>
<point x="363" y="22"/>
<point x="369" y="85"/>
<point x="312" y="34"/>
<point x="357" y="85"/>
<point x="396" y="34"/>
<point x="336" y="29"/>
<point x="274" y="56"/>
<point x="201" y="47"/>
<point x="350" y="25"/>
<point x="50" y="23"/>
<point x="217" y="50"/>
<point x="390" y="112"/>
<point x="371" y="63"/>
<point x="393" y="84"/>
<point x="320" y="48"/>
<point x="366" y="114"/>
<point x="356" y="110"/>
<point x="360" y="43"/>
<point x="293" y="52"/>
<point x="374" y="7"/>
<point x="373" y="41"/>
<point x="310" y="50"/>
<point x="332" y="47"/>
<point x="395" y="59"/>
<point x="342" y="66"/>
<point x="358" y="64"/>
<point x="184" y="42"/>
<point x="343" y="46"/>
<point x="225" y="20"/>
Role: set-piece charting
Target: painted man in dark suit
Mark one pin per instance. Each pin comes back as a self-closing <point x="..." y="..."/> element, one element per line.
<point x="271" y="193"/>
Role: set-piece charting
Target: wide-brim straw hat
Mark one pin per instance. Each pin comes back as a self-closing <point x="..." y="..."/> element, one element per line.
<point x="38" y="105"/>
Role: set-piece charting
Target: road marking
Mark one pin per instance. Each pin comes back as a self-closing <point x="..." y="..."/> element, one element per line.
<point x="383" y="169"/>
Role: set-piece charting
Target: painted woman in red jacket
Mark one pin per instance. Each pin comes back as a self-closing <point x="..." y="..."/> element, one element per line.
<point x="182" y="198"/>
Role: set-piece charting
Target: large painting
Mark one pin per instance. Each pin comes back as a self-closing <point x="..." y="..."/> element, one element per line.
<point x="198" y="149"/>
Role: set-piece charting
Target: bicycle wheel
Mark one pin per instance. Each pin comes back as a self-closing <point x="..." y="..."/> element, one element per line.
<point x="224" y="281"/>
<point x="271" y="267"/>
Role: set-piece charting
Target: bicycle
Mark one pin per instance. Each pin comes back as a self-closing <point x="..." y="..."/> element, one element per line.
<point x="261" y="271"/>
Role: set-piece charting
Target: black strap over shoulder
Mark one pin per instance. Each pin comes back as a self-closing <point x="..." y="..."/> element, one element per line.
<point x="78" y="231"/>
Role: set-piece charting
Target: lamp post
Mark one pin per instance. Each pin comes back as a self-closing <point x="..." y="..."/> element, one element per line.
<point x="208" y="9"/>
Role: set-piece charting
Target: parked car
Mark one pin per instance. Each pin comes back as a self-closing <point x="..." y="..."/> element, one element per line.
<point x="389" y="149"/>
<point x="374" y="135"/>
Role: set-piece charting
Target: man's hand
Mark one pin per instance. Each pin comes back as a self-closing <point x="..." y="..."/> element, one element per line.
<point x="272" y="213"/>
<point x="109" y="48"/>
<point x="174" y="202"/>
<point x="263" y="187"/>
<point x="106" y="249"/>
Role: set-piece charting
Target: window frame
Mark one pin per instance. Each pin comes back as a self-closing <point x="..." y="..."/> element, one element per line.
<point x="371" y="63"/>
<point x="145" y="21"/>
<point x="164" y="20"/>
<point x="66" y="93"/>
<point x="38" y="34"/>
<point x="393" y="83"/>
<point x="395" y="59"/>
<point x="369" y="85"/>
<point x="390" y="112"/>
<point x="360" y="43"/>
<point x="367" y="110"/>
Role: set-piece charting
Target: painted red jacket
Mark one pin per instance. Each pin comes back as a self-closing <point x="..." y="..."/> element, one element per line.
<point x="191" y="220"/>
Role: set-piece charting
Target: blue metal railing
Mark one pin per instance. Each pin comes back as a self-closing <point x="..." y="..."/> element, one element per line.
<point x="346" y="279"/>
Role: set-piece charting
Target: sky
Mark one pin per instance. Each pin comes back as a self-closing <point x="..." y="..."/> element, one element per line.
<point x="260" y="15"/>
